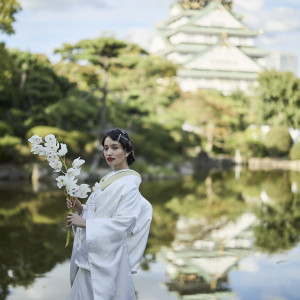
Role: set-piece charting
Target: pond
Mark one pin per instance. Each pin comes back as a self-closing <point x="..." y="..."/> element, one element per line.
<point x="231" y="235"/>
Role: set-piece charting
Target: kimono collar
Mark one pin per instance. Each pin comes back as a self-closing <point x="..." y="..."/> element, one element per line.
<point x="104" y="183"/>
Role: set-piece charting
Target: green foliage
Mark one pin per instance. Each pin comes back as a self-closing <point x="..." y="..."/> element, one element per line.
<point x="155" y="144"/>
<point x="135" y="89"/>
<point x="75" y="140"/>
<point x="278" y="99"/>
<point x="8" y="146"/>
<point x="249" y="142"/>
<point x="5" y="73"/>
<point x="120" y="83"/>
<point x="277" y="185"/>
<point x="37" y="95"/>
<point x="213" y="116"/>
<point x="8" y="9"/>
<point x="278" y="141"/>
<point x="295" y="151"/>
<point x="5" y="129"/>
<point x="279" y="227"/>
<point x="94" y="51"/>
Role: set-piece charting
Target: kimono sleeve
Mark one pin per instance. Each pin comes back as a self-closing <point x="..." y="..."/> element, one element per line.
<point x="107" y="248"/>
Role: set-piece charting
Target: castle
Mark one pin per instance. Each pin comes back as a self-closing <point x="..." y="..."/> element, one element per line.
<point x="212" y="46"/>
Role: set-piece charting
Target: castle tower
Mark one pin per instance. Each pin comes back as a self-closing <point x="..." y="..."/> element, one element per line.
<point x="211" y="44"/>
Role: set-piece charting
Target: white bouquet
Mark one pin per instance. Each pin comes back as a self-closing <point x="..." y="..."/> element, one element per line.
<point x="54" y="153"/>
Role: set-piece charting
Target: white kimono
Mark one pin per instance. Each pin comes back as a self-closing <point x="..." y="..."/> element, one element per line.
<point x="111" y="246"/>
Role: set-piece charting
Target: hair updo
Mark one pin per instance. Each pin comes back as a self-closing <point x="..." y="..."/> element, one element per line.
<point x="123" y="138"/>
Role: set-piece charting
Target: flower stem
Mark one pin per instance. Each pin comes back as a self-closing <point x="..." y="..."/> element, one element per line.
<point x="63" y="160"/>
<point x="69" y="228"/>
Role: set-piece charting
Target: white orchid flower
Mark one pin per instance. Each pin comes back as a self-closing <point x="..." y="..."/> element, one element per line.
<point x="50" y="138"/>
<point x="35" y="139"/>
<point x="36" y="149"/>
<point x="44" y="151"/>
<point x="96" y="187"/>
<point x="52" y="154"/>
<point x="70" y="191"/>
<point x="61" y="181"/>
<point x="56" y="165"/>
<point x="70" y="181"/>
<point x="82" y="190"/>
<point x="73" y="172"/>
<point x="52" y="146"/>
<point x="71" y="188"/>
<point x="77" y="162"/>
<point x="52" y="158"/>
<point x="63" y="150"/>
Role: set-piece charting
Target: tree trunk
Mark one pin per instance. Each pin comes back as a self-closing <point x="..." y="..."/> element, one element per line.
<point x="210" y="137"/>
<point x="23" y="80"/>
<point x="103" y="101"/>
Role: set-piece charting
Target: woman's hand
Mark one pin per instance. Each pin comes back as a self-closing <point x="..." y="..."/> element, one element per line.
<point x="78" y="206"/>
<point x="75" y="220"/>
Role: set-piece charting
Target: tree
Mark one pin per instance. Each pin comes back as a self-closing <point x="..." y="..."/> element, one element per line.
<point x="101" y="53"/>
<point x="278" y="99"/>
<point x="135" y="88"/>
<point x="211" y="114"/>
<point x="8" y="9"/>
<point x="37" y="95"/>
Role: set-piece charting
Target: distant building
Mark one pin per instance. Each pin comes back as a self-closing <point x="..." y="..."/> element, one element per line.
<point x="214" y="48"/>
<point x="283" y="61"/>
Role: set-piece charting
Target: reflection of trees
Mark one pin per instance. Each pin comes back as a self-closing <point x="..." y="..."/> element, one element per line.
<point x="162" y="229"/>
<point x="190" y="284"/>
<point x="205" y="208"/>
<point x="279" y="227"/>
<point x="218" y="196"/>
<point x="32" y="239"/>
<point x="277" y="186"/>
<point x="163" y="221"/>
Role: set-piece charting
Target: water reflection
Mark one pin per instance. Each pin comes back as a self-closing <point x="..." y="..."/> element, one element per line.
<point x="221" y="221"/>
<point x="212" y="235"/>
<point x="31" y="234"/>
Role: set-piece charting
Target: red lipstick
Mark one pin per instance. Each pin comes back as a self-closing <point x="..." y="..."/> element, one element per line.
<point x="110" y="159"/>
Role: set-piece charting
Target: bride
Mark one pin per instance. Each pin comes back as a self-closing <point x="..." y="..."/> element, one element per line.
<point x="111" y="229"/>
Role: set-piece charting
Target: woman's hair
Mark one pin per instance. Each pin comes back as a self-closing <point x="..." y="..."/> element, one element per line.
<point x="123" y="138"/>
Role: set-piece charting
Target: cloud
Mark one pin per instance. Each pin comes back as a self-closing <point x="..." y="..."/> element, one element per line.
<point x="62" y="6"/>
<point x="249" y="264"/>
<point x="277" y="19"/>
<point x="140" y="36"/>
<point x="248" y="6"/>
<point x="282" y="19"/>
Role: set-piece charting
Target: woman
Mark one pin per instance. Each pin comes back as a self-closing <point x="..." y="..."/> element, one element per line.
<point x="111" y="229"/>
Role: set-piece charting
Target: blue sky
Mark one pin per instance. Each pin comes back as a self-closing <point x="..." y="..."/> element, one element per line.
<point x="44" y="25"/>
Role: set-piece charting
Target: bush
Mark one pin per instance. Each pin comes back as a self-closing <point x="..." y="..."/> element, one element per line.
<point x="249" y="142"/>
<point x="156" y="145"/>
<point x="5" y="129"/>
<point x="8" y="146"/>
<point x="278" y="141"/>
<point x="295" y="151"/>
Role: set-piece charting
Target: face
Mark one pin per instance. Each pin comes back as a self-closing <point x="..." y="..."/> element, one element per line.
<point x="114" y="154"/>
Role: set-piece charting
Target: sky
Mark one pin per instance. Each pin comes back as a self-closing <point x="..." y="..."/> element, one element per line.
<point x="44" y="25"/>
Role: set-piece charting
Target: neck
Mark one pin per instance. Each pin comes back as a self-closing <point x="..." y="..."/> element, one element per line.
<point x="121" y="167"/>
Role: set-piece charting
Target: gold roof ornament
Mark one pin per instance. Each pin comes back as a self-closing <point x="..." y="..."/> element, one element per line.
<point x="224" y="34"/>
<point x="200" y="4"/>
<point x="260" y="31"/>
